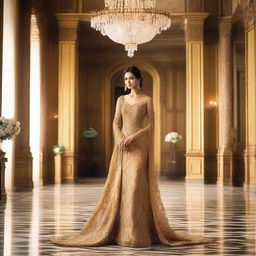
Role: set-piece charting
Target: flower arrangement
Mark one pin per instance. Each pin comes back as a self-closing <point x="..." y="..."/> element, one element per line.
<point x="90" y="133"/>
<point x="58" y="149"/>
<point x="8" y="128"/>
<point x="172" y="137"/>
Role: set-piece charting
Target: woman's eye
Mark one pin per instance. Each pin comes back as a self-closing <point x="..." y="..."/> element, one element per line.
<point x="128" y="78"/>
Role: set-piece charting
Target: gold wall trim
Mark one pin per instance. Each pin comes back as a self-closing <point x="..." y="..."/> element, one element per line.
<point x="195" y="111"/>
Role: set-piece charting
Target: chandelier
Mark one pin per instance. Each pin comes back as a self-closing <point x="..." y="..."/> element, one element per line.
<point x="130" y="22"/>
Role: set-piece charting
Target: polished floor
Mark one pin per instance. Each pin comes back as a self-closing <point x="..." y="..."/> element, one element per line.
<point x="226" y="214"/>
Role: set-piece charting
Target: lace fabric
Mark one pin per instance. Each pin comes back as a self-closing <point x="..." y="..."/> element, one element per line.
<point x="130" y="210"/>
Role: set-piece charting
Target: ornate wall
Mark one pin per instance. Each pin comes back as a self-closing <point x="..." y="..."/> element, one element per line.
<point x="210" y="57"/>
<point x="172" y="104"/>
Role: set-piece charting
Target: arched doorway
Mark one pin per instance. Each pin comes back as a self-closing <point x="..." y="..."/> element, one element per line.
<point x="151" y="76"/>
<point x="117" y="89"/>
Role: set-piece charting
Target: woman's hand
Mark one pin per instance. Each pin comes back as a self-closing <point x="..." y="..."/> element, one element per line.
<point x="126" y="142"/>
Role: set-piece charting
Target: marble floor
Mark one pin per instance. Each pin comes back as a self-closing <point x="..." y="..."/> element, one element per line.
<point x="227" y="214"/>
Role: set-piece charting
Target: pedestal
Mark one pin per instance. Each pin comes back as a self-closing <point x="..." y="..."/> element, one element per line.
<point x="57" y="168"/>
<point x="3" y="160"/>
<point x="173" y="165"/>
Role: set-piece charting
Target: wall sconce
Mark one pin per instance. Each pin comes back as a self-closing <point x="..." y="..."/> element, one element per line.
<point x="55" y="117"/>
<point x="213" y="104"/>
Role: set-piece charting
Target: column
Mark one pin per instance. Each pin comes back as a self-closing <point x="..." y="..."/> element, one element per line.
<point x="9" y="80"/>
<point x="48" y="94"/>
<point x="2" y="180"/>
<point x="194" y="25"/>
<point x="1" y="53"/>
<point x="35" y="104"/>
<point x="22" y="154"/>
<point x="250" y="95"/>
<point x="211" y="110"/>
<point x="67" y="113"/>
<point x="225" y="153"/>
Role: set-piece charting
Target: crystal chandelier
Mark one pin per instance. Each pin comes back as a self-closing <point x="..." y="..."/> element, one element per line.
<point x="130" y="22"/>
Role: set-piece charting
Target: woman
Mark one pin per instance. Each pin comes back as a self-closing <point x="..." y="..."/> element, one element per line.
<point x="130" y="211"/>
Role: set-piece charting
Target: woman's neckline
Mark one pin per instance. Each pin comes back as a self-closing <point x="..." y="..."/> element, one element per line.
<point x="135" y="103"/>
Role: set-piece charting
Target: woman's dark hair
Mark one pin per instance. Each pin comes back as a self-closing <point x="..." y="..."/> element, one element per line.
<point x="135" y="71"/>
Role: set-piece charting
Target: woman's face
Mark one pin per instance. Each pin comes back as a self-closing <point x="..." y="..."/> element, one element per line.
<point x="130" y="80"/>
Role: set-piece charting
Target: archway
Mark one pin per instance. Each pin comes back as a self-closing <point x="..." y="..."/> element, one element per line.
<point x="156" y="100"/>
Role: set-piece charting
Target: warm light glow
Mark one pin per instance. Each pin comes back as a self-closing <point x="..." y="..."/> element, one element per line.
<point x="55" y="116"/>
<point x="213" y="104"/>
<point x="130" y="22"/>
<point x="35" y="85"/>
<point x="9" y="79"/>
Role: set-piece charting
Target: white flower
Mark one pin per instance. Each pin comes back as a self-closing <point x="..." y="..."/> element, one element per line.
<point x="12" y="122"/>
<point x="17" y="130"/>
<point x="8" y="128"/>
<point x="172" y="137"/>
<point x="58" y="148"/>
<point x="90" y="133"/>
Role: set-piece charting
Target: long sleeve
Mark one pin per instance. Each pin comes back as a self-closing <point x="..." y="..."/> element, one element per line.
<point x="149" y="127"/>
<point x="118" y="122"/>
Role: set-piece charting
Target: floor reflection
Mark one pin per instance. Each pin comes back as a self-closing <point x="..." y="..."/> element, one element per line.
<point x="35" y="224"/>
<point x="227" y="214"/>
<point x="195" y="208"/>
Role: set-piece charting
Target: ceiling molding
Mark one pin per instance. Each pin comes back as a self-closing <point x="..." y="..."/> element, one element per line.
<point x="175" y="17"/>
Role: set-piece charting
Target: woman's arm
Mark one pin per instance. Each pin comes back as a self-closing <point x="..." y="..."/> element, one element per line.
<point x="118" y="123"/>
<point x="150" y="120"/>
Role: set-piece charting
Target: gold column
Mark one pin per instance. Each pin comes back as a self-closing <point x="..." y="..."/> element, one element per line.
<point x="2" y="154"/>
<point x="225" y="153"/>
<point x="67" y="113"/>
<point x="250" y="151"/>
<point x="35" y="46"/>
<point x="22" y="154"/>
<point x="211" y="110"/>
<point x="49" y="94"/>
<point x="1" y="53"/>
<point x="194" y="24"/>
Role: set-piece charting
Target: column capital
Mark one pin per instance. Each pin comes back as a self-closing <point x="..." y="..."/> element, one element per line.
<point x="225" y="26"/>
<point x="34" y="33"/>
<point x="67" y="27"/>
<point x="194" y="26"/>
<point x="249" y="13"/>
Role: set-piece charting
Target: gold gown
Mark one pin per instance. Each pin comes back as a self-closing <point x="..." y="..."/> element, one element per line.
<point x="130" y="211"/>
